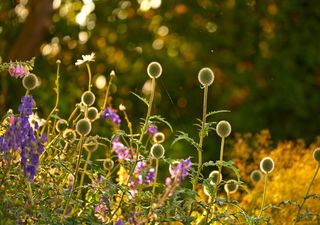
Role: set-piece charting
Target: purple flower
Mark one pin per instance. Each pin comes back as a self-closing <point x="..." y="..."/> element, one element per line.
<point x="101" y="209"/>
<point x="150" y="176"/>
<point x="181" y="170"/>
<point x="152" y="129"/>
<point x="17" y="71"/>
<point x="120" y="222"/>
<point x="110" y="114"/>
<point x="120" y="149"/>
<point x="21" y="136"/>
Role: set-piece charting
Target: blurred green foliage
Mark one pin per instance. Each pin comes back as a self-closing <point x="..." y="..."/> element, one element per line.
<point x="265" y="55"/>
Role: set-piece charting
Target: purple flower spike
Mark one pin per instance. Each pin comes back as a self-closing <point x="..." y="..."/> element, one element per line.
<point x="21" y="136"/>
<point x="181" y="170"/>
<point x="120" y="222"/>
<point x="152" y="129"/>
<point x="110" y="114"/>
<point x="120" y="149"/>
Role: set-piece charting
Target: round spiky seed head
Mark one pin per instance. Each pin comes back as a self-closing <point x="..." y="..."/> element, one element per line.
<point x="83" y="127"/>
<point x="154" y="70"/>
<point x="108" y="164"/>
<point x="69" y="135"/>
<point x="158" y="138"/>
<point x="255" y="176"/>
<point x="30" y="81"/>
<point x="91" y="144"/>
<point x="206" y="76"/>
<point x="157" y="151"/>
<point x="231" y="186"/>
<point x="206" y="190"/>
<point x="316" y="154"/>
<point x="266" y="165"/>
<point x="92" y="113"/>
<point x="88" y="98"/>
<point x="223" y="129"/>
<point x="61" y="125"/>
<point x="214" y="175"/>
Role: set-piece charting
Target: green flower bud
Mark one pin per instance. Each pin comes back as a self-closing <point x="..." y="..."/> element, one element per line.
<point x="88" y="98"/>
<point x="30" y="81"/>
<point x="223" y="129"/>
<point x="83" y="127"/>
<point x="266" y="165"/>
<point x="61" y="125"/>
<point x="231" y="186"/>
<point x="206" y="76"/>
<point x="92" y="113"/>
<point x="316" y="155"/>
<point x="154" y="70"/>
<point x="256" y="176"/>
<point x="157" y="151"/>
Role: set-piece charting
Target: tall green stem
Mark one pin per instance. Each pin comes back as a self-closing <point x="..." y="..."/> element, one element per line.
<point x="84" y="172"/>
<point x="202" y="134"/>
<point x="107" y="92"/>
<point x="56" y="89"/>
<point x="264" y="193"/>
<point x="307" y="193"/>
<point x="155" y="178"/>
<point x="90" y="76"/>
<point x="219" y="168"/>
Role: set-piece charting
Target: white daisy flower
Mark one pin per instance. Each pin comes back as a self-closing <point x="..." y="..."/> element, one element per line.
<point x="86" y="58"/>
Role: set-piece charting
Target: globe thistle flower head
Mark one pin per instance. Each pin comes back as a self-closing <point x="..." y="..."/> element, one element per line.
<point x="83" y="127"/>
<point x="157" y="151"/>
<point x="30" y="81"/>
<point x="154" y="70"/>
<point x="91" y="144"/>
<point x="18" y="71"/>
<point x="316" y="154"/>
<point x="255" y="176"/>
<point x="110" y="114"/>
<point x="206" y="76"/>
<point x="88" y="98"/>
<point x="69" y="135"/>
<point x="267" y="165"/>
<point x="92" y="113"/>
<point x="231" y="186"/>
<point x="223" y="129"/>
<point x="61" y="125"/>
<point x="214" y="176"/>
<point x="158" y="138"/>
<point x="108" y="164"/>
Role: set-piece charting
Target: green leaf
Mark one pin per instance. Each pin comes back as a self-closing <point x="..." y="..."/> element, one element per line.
<point x="141" y="98"/>
<point x="185" y="136"/>
<point x="216" y="112"/>
<point x="161" y="119"/>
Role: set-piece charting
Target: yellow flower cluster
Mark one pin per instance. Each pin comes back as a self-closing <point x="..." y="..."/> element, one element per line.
<point x="287" y="184"/>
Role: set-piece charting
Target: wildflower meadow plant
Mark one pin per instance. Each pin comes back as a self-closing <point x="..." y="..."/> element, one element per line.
<point x="56" y="170"/>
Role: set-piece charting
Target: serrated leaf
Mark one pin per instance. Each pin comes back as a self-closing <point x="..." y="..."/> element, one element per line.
<point x="185" y="136"/>
<point x="161" y="119"/>
<point x="141" y="98"/>
<point x="216" y="112"/>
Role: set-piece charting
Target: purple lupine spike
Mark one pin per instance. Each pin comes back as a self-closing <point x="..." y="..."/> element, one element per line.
<point x="152" y="129"/>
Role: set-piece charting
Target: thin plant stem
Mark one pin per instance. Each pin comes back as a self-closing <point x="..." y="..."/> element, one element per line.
<point x="219" y="168"/>
<point x="30" y="193"/>
<point x="264" y="193"/>
<point x="155" y="178"/>
<point x="107" y="93"/>
<point x="84" y="171"/>
<point x="202" y="134"/>
<point x="56" y="89"/>
<point x="72" y="114"/>
<point x="80" y="148"/>
<point x="90" y="76"/>
<point x="307" y="193"/>
<point x="143" y="129"/>
<point x="129" y="127"/>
